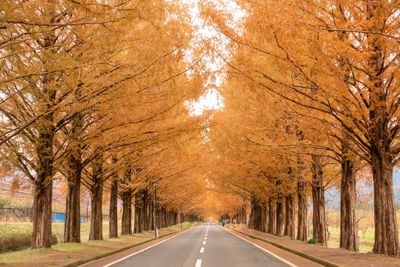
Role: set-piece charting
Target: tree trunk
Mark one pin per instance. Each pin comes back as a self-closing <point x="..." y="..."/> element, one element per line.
<point x="45" y="127"/>
<point x="266" y="211"/>
<point x="72" y="226"/>
<point x="43" y="187"/>
<point x="279" y="218"/>
<point x="138" y="209"/>
<point x="257" y="214"/>
<point x="252" y="214"/>
<point x="348" y="224"/>
<point x="113" y="226"/>
<point x="386" y="231"/>
<point x="96" y="216"/>
<point x="41" y="235"/>
<point x="263" y="218"/>
<point x="271" y="217"/>
<point x="318" y="196"/>
<point x="381" y="133"/>
<point x="302" y="233"/>
<point x="96" y="213"/>
<point x="289" y="218"/>
<point x="126" y="223"/>
<point x="164" y="217"/>
<point x="146" y="216"/>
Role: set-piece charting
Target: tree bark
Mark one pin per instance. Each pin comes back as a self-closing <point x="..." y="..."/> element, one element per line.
<point x="266" y="211"/>
<point x="146" y="216"/>
<point x="113" y="226"/>
<point x="264" y="217"/>
<point x="348" y="224"/>
<point x="302" y="233"/>
<point x="138" y="215"/>
<point x="126" y="223"/>
<point x="139" y="211"/>
<point x="289" y="218"/>
<point x="43" y="187"/>
<point x="279" y="218"/>
<point x="72" y="226"/>
<point x="386" y="231"/>
<point x="96" y="215"/>
<point x="318" y="196"/>
<point x="41" y="235"/>
<point x="271" y="217"/>
<point x="257" y="216"/>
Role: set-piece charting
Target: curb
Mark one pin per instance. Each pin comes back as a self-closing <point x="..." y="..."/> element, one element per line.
<point x="296" y="252"/>
<point x="80" y="262"/>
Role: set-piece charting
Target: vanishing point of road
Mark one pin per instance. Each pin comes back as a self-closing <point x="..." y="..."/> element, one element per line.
<point x="207" y="245"/>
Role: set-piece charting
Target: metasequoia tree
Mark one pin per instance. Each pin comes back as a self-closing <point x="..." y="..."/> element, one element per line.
<point x="59" y="78"/>
<point x="350" y="81"/>
<point x="42" y="49"/>
<point x="267" y="135"/>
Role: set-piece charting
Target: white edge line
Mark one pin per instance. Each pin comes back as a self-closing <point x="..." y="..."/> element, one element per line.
<point x="198" y="263"/>
<point x="140" y="251"/>
<point x="263" y="249"/>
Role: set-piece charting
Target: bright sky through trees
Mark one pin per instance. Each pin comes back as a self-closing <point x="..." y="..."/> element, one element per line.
<point x="205" y="33"/>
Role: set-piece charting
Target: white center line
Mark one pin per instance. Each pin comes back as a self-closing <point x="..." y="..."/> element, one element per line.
<point x="204" y="242"/>
<point x="198" y="263"/>
<point x="202" y="250"/>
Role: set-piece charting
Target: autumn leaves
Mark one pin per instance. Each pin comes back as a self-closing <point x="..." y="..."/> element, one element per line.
<point x="312" y="96"/>
<point x="93" y="93"/>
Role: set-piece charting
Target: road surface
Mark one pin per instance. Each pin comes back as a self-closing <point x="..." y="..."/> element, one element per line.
<point x="207" y="245"/>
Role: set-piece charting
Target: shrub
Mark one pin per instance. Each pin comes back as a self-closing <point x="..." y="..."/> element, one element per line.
<point x="312" y="241"/>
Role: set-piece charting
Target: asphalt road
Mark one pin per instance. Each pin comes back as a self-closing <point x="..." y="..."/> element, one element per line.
<point x="207" y="245"/>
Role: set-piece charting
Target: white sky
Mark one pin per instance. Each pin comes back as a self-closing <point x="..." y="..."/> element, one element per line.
<point x="211" y="99"/>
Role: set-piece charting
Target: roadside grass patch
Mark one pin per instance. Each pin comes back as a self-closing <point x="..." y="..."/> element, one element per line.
<point x="312" y="241"/>
<point x="17" y="236"/>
